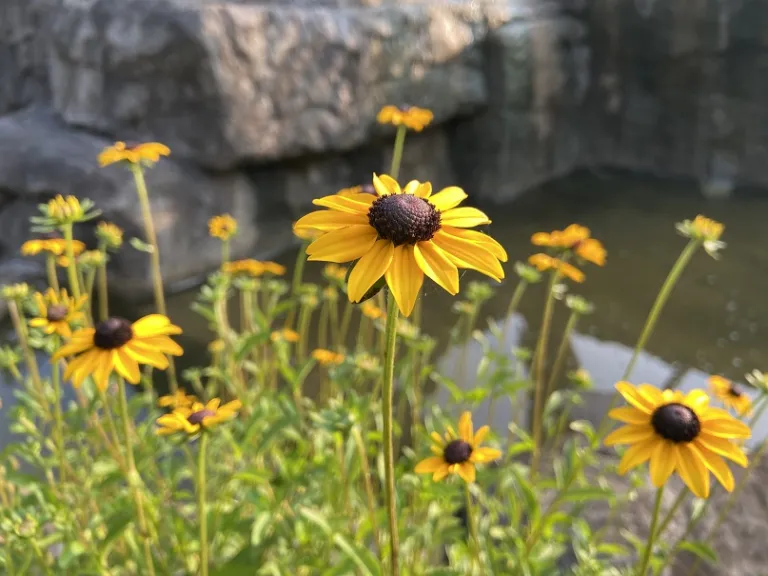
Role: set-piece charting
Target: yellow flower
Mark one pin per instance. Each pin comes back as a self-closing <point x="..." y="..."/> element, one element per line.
<point x="178" y="399"/>
<point x="274" y="268"/>
<point x="222" y="227"/>
<point x="58" y="312"/>
<point x="575" y="238"/>
<point x="458" y="455"/>
<point x="370" y="310"/>
<point x="335" y="272"/>
<point x="55" y="246"/>
<point x="410" y="116"/>
<point x="197" y="417"/>
<point x="247" y="267"/>
<point x="116" y="345"/>
<point x="327" y="357"/>
<point x="216" y="346"/>
<point x="285" y="334"/>
<point x="401" y="235"/>
<point x="706" y="231"/>
<point x="732" y="397"/>
<point x="15" y="291"/>
<point x="545" y="262"/>
<point x="305" y="233"/>
<point x="677" y="432"/>
<point x="91" y="259"/>
<point x="141" y="153"/>
<point x="110" y="234"/>
<point x="63" y="210"/>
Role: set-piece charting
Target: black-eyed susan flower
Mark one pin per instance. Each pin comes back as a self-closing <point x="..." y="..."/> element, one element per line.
<point x="371" y="311"/>
<point x="116" y="345"/>
<point x="401" y="235"/>
<point x="458" y="454"/>
<point x="178" y="399"/>
<point x="146" y="153"/>
<point x="274" y="268"/>
<point x="110" y="235"/>
<point x="731" y="395"/>
<point x="55" y="246"/>
<point x="576" y="239"/>
<point x="327" y="357"/>
<point x="284" y="335"/>
<point x="677" y="432"/>
<point x="197" y="417"/>
<point x="706" y="231"/>
<point x="222" y="227"/>
<point x="544" y="262"/>
<point x="246" y="267"/>
<point x="57" y="312"/>
<point x="411" y="117"/>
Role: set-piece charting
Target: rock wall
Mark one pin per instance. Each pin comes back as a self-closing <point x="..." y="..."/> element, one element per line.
<point x="267" y="104"/>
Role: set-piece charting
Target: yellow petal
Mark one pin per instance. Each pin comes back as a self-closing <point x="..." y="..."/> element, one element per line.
<point x="629" y="415"/>
<point x="635" y="398"/>
<point x="441" y="473"/>
<point x="480" y="435"/>
<point x="663" y="462"/>
<point x="153" y="325"/>
<point x="651" y="393"/>
<point x="464" y="217"/>
<point x="126" y="366"/>
<point x="466" y="254"/>
<point x="102" y="370"/>
<point x="38" y="322"/>
<point x="343" y="245"/>
<point x="481" y="238"/>
<point x="411" y="187"/>
<point x="448" y="198"/>
<point x="141" y="352"/>
<point x="327" y="220"/>
<point x="636" y="455"/>
<point x="435" y="264"/>
<point x="722" y="447"/>
<point x="718" y="467"/>
<point x="162" y="344"/>
<point x="385" y="185"/>
<point x="430" y="465"/>
<point x="467" y="472"/>
<point x="690" y="466"/>
<point x="541" y="239"/>
<point x="369" y="269"/>
<point x="404" y="278"/>
<point x="437" y="438"/>
<point x="730" y="428"/>
<point x="81" y="340"/>
<point x="352" y="204"/>
<point x="629" y="435"/>
<point x="483" y="454"/>
<point x="424" y="190"/>
<point x="465" y="428"/>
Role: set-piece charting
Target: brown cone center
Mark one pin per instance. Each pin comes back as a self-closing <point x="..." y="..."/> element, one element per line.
<point x="404" y="219"/>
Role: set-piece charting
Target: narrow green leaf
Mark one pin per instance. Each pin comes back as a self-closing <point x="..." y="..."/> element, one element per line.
<point x="700" y="549"/>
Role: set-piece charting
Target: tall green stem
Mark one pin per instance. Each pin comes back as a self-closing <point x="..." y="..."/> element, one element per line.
<point x="643" y="566"/>
<point x="134" y="478"/>
<point x="397" y="153"/>
<point x="474" y="543"/>
<point x="366" y="469"/>
<point x="50" y="266"/>
<point x="389" y="462"/>
<point x="102" y="287"/>
<point x="514" y="303"/>
<point x="540" y="356"/>
<point x="74" y="283"/>
<point x="157" y="276"/>
<point x="561" y="353"/>
<point x="201" y="505"/>
<point x="20" y="327"/>
<point x="59" y="421"/>
<point x="298" y="278"/>
<point x="224" y="252"/>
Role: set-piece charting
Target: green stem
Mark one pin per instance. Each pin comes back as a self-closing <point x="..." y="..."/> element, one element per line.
<point x="201" y="505"/>
<point x="540" y="356"/>
<point x="157" y="276"/>
<point x="346" y="318"/>
<point x="296" y="281"/>
<point x="305" y="315"/>
<point x="650" y="324"/>
<point x="514" y="302"/>
<point x="224" y="252"/>
<point x="397" y="153"/>
<point x="643" y="566"/>
<point x="474" y="543"/>
<point x="102" y="287"/>
<point x="59" y="421"/>
<point x="133" y="476"/>
<point x="371" y="500"/>
<point x="50" y="266"/>
<point x="74" y="284"/>
<point x="672" y="511"/>
<point x="561" y="353"/>
<point x="389" y="462"/>
<point x="20" y="326"/>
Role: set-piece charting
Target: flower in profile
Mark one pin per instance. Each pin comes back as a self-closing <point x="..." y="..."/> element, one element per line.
<point x="16" y="292"/>
<point x="63" y="211"/>
<point x="371" y="311"/>
<point x="91" y="259"/>
<point x="147" y="153"/>
<point x="178" y="399"/>
<point x="706" y="231"/>
<point x="197" y="417"/>
<point x="544" y="262"/>
<point x="55" y="246"/>
<point x="110" y="235"/>
<point x="576" y="239"/>
<point x="677" y="432"/>
<point x="411" y="117"/>
<point x="116" y="345"/>
<point x="327" y="357"/>
<point x="731" y="395"/>
<point x="247" y="267"/>
<point x="222" y="227"/>
<point x="458" y="454"/>
<point x="274" y="268"/>
<point x="401" y="235"/>
<point x="57" y="312"/>
<point x="284" y="335"/>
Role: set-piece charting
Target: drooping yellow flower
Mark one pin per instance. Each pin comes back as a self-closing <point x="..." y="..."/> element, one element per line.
<point x="247" y="267"/>
<point x="178" y="399"/>
<point x="197" y="417"/>
<point x="544" y="262"/>
<point x="274" y="268"/>
<point x="458" y="454"/>
<point x="149" y="152"/>
<point x="677" y="432"/>
<point x="401" y="235"/>
<point x="410" y="116"/>
<point x="57" y="312"/>
<point x="116" y="345"/>
<point x="222" y="227"/>
<point x="286" y="334"/>
<point x="731" y="395"/>
<point x="327" y="357"/>
<point x="110" y="234"/>
<point x="371" y="311"/>
<point x="55" y="246"/>
<point x="575" y="238"/>
<point x="64" y="210"/>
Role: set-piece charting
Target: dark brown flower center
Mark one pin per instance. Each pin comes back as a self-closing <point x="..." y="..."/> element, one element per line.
<point x="200" y="415"/>
<point x="457" y="452"/>
<point x="735" y="391"/>
<point x="404" y="219"/>
<point x="676" y="423"/>
<point x="112" y="333"/>
<point x="56" y="313"/>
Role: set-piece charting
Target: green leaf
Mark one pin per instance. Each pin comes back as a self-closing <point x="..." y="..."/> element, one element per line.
<point x="259" y="528"/>
<point x="612" y="550"/>
<point x="141" y="245"/>
<point x="699" y="549"/>
<point x="587" y="494"/>
<point x="362" y="557"/>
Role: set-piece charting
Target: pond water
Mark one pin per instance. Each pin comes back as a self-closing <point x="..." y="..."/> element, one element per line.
<point x="715" y="322"/>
